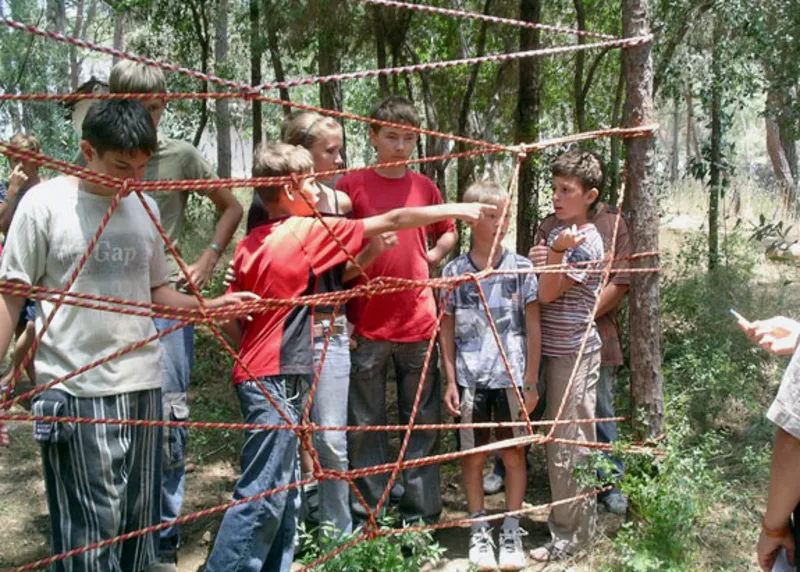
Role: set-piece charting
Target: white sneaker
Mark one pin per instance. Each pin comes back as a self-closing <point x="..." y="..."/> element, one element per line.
<point x="493" y="483"/>
<point x="481" y="549"/>
<point x="511" y="555"/>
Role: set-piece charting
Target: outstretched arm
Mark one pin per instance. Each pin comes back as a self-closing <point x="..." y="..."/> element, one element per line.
<point x="413" y="217"/>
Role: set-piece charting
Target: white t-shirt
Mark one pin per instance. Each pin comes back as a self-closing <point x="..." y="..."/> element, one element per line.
<point x="50" y="232"/>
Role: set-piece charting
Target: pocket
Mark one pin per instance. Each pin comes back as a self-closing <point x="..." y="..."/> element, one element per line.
<point x="52" y="403"/>
<point x="176" y="408"/>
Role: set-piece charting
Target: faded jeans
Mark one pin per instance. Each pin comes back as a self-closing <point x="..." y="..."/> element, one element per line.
<point x="329" y="407"/>
<point x="177" y="355"/>
<point x="367" y="406"/>
<point x="607" y="430"/>
<point x="260" y="534"/>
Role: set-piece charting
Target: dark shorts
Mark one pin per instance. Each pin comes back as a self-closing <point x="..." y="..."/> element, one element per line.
<point x="486" y="405"/>
<point x="27" y="314"/>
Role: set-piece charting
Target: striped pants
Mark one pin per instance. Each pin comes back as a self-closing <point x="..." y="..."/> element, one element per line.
<point x="101" y="480"/>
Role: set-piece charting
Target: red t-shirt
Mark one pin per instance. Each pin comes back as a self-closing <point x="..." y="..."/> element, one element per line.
<point x="407" y="316"/>
<point x="283" y="259"/>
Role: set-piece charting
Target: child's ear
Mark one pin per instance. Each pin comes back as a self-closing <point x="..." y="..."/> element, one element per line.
<point x="591" y="196"/>
<point x="88" y="152"/>
<point x="372" y="135"/>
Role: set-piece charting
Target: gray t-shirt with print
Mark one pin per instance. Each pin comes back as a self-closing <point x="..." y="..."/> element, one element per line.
<point x="785" y="410"/>
<point x="478" y="361"/>
<point x="50" y="233"/>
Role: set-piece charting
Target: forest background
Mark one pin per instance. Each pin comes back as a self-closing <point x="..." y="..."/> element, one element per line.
<point x="726" y="97"/>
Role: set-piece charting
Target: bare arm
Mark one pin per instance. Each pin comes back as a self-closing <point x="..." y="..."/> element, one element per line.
<point x="442" y="248"/>
<point x="610" y="297"/>
<point x="377" y="245"/>
<point x="783" y="497"/>
<point x="413" y="217"/>
<point x="533" y="355"/>
<point x="230" y="214"/>
<point x="166" y="296"/>
<point x="552" y="285"/>
<point x="10" y="307"/>
<point x="447" y="347"/>
<point x="232" y="329"/>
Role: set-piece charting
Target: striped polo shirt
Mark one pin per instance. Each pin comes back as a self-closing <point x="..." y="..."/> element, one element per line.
<point x="565" y="320"/>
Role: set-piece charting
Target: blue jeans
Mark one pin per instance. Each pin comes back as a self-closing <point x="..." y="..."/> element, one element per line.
<point x="260" y="534"/>
<point x="177" y="356"/>
<point x="367" y="406"/>
<point x="329" y="407"/>
<point x="607" y="430"/>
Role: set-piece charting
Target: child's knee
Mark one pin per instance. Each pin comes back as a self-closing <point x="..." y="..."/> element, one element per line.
<point x="513" y="458"/>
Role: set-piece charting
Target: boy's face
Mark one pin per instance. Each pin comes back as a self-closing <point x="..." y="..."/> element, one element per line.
<point x="491" y="222"/>
<point x="121" y="164"/>
<point x="294" y="204"/>
<point x="392" y="143"/>
<point x="570" y="201"/>
<point x="155" y="107"/>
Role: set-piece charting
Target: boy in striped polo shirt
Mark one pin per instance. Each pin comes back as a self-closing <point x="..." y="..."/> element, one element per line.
<point x="567" y="301"/>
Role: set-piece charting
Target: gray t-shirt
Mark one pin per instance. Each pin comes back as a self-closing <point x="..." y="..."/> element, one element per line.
<point x="785" y="410"/>
<point x="478" y="361"/>
<point x="50" y="232"/>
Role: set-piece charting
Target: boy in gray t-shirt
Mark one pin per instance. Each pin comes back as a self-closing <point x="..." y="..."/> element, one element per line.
<point x="84" y="464"/>
<point x="478" y="385"/>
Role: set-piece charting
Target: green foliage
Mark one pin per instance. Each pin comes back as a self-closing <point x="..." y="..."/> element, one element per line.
<point x="396" y="552"/>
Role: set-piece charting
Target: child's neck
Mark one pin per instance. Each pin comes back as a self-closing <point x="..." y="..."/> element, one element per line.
<point x="576" y="220"/>
<point x="392" y="172"/>
<point x="479" y="253"/>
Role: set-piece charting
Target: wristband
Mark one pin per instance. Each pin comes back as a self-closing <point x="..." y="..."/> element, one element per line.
<point x="782" y="533"/>
<point x="526" y="387"/>
<point x="215" y="247"/>
<point x="558" y="251"/>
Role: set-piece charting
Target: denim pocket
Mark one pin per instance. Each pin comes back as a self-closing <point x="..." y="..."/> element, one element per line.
<point x="52" y="403"/>
<point x="176" y="408"/>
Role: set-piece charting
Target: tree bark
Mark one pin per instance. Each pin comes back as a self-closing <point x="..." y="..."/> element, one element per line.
<point x="201" y="29"/>
<point x="577" y="82"/>
<point x="715" y="181"/>
<point x="380" y="49"/>
<point x="119" y="32"/>
<point x="329" y="55"/>
<point x="675" y="150"/>
<point x="223" y="105"/>
<point x="77" y="32"/>
<point x="277" y="62"/>
<point x="616" y="143"/>
<point x="256" y="49"/>
<point x="645" y="325"/>
<point x="527" y="129"/>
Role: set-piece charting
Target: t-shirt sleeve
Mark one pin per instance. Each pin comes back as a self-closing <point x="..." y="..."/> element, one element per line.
<point x="449" y="302"/>
<point x="544" y="229"/>
<point x="436" y="230"/>
<point x="530" y="285"/>
<point x="347" y="185"/>
<point x="195" y="166"/>
<point x="235" y="285"/>
<point x="26" y="248"/>
<point x="785" y="410"/>
<point x="323" y="251"/>
<point x="591" y="249"/>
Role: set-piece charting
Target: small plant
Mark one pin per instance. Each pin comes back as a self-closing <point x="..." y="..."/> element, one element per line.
<point x="388" y="553"/>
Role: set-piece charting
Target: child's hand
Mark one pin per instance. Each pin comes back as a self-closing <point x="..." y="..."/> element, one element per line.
<point x="531" y="398"/>
<point x="383" y="242"/>
<point x="568" y="238"/>
<point x="16" y="180"/>
<point x="776" y="335"/>
<point x="538" y="255"/>
<point x="233" y="299"/>
<point x="472" y="212"/>
<point x="450" y="400"/>
<point x="230" y="275"/>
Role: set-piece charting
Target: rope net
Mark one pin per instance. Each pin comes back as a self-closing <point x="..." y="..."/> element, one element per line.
<point x="378" y="285"/>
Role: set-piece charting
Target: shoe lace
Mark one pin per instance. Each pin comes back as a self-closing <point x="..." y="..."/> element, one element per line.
<point x="512" y="539"/>
<point x="483" y="540"/>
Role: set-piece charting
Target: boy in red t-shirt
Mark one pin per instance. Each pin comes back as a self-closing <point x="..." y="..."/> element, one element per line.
<point x="396" y="327"/>
<point x="284" y="258"/>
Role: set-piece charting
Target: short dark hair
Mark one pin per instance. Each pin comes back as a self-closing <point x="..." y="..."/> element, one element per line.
<point x="582" y="165"/>
<point x="120" y="125"/>
<point x="279" y="160"/>
<point x="395" y="109"/>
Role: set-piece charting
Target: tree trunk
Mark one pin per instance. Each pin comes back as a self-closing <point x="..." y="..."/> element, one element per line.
<point x="645" y="325"/>
<point x="277" y="62"/>
<point x="715" y="181"/>
<point x="223" y="105"/>
<point x="577" y="82"/>
<point x="329" y="42"/>
<point x="616" y="142"/>
<point x="675" y="149"/>
<point x="201" y="29"/>
<point x="77" y="32"/>
<point x="785" y="176"/>
<point x="119" y="32"/>
<point x="256" y="50"/>
<point x="380" y="49"/>
<point x="527" y="129"/>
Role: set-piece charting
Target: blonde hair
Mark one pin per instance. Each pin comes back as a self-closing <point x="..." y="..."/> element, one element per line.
<point x="26" y="141"/>
<point x="279" y="160"/>
<point x="132" y="77"/>
<point x="306" y="128"/>
<point x="485" y="192"/>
